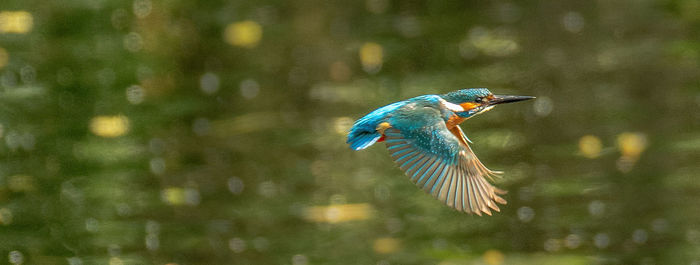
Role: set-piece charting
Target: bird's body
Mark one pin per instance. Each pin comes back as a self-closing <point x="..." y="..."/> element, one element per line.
<point x="423" y="137"/>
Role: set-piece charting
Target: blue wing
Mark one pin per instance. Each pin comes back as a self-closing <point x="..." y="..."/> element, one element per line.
<point x="364" y="132"/>
<point x="439" y="161"/>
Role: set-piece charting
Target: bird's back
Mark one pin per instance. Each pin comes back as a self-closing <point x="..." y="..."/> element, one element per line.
<point x="364" y="132"/>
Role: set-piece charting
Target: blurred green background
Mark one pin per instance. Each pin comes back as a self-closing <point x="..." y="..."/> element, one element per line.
<point x="213" y="132"/>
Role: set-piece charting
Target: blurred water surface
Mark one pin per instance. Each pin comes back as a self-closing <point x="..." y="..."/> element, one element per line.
<point x="213" y="132"/>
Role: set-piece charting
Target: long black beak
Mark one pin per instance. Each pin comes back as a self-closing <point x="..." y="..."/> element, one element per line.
<point x="498" y="99"/>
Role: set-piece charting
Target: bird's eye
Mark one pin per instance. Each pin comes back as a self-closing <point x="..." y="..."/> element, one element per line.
<point x="479" y="99"/>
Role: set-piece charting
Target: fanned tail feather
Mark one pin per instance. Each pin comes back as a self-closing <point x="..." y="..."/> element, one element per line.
<point x="363" y="140"/>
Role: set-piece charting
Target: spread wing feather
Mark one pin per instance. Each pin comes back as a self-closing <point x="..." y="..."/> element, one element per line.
<point x="440" y="162"/>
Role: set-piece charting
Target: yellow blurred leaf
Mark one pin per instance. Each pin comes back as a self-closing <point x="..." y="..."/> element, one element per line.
<point x="590" y="146"/>
<point x="371" y="57"/>
<point x="386" y="245"/>
<point x="338" y="213"/>
<point x="245" y="34"/>
<point x="109" y="126"/>
<point x="631" y="144"/>
<point x="173" y="196"/>
<point x="493" y="257"/>
<point x="19" y="22"/>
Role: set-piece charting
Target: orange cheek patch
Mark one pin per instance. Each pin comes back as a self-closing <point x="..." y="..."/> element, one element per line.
<point x="469" y="105"/>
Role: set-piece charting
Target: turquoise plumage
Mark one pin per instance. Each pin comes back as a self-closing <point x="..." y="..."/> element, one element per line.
<point x="363" y="133"/>
<point x="424" y="139"/>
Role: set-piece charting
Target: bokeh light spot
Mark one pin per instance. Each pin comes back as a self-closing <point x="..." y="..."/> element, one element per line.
<point x="596" y="208"/>
<point x="382" y="192"/>
<point x="249" y="88"/>
<point x="300" y="259"/>
<point x="340" y="71"/>
<point x="16" y="140"/>
<point x="245" y="34"/>
<point x="573" y="22"/>
<point x="640" y="236"/>
<point x="692" y="236"/>
<point x="543" y="106"/>
<point x="408" y="26"/>
<point x="92" y="225"/>
<point x="15" y="257"/>
<point x="109" y="126"/>
<point x="493" y="43"/>
<point x="526" y="214"/>
<point x="601" y="240"/>
<point x="115" y="261"/>
<point x="209" y="83"/>
<point x="142" y="8"/>
<point x="338" y="213"/>
<point x="152" y="242"/>
<point x="467" y="49"/>
<point x="135" y="94"/>
<point x="74" y="261"/>
<point x="236" y="245"/>
<point x="133" y="42"/>
<point x="27" y="74"/>
<point x="386" y="245"/>
<point x="371" y="57"/>
<point x="173" y="196"/>
<point x="235" y="185"/>
<point x="152" y="227"/>
<point x="157" y="165"/>
<point x="552" y="245"/>
<point x="572" y="241"/>
<point x="590" y="146"/>
<point x="607" y="60"/>
<point x="192" y="196"/>
<point x="119" y="18"/>
<point x="5" y="216"/>
<point x="631" y="144"/>
<point x="342" y="125"/>
<point x="267" y="189"/>
<point x="201" y="126"/>
<point x="493" y="257"/>
<point x="377" y="6"/>
<point x="19" y="22"/>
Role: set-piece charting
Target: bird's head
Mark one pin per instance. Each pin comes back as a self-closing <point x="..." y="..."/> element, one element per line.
<point x="478" y="100"/>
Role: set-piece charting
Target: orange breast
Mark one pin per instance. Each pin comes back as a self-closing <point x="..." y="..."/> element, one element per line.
<point x="454" y="121"/>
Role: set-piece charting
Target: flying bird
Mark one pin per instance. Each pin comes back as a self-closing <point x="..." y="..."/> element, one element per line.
<point x="423" y="137"/>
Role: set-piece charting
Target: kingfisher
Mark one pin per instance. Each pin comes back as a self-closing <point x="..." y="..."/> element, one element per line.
<point x="425" y="140"/>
